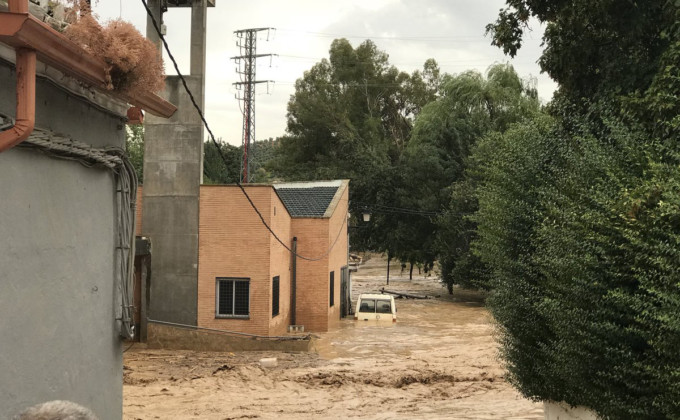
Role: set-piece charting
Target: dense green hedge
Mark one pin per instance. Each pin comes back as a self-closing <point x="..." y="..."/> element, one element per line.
<point x="578" y="224"/>
<point x="581" y="232"/>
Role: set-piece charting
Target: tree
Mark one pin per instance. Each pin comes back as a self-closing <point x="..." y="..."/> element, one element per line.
<point x="134" y="147"/>
<point x="436" y="159"/>
<point x="591" y="47"/>
<point x="216" y="170"/>
<point x="577" y="219"/>
<point x="351" y="117"/>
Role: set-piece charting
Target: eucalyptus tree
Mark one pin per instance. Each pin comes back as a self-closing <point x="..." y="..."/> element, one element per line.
<point x="351" y="117"/>
<point x="471" y="106"/>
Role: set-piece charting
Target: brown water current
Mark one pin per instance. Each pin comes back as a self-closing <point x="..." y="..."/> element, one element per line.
<point x="439" y="361"/>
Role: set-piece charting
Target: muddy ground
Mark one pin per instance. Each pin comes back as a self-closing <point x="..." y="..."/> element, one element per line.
<point x="437" y="362"/>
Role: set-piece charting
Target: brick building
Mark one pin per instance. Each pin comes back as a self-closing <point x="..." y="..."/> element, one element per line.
<point x="248" y="281"/>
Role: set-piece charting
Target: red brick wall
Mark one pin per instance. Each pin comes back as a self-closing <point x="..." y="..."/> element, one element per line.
<point x="280" y="264"/>
<point x="338" y="255"/>
<point x="315" y="237"/>
<point x="312" y="282"/>
<point x="234" y="243"/>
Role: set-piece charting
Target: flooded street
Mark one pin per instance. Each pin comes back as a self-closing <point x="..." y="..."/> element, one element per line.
<point x="437" y="361"/>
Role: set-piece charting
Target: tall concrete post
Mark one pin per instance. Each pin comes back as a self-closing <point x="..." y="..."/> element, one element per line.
<point x="198" y="36"/>
<point x="151" y="34"/>
<point x="173" y="169"/>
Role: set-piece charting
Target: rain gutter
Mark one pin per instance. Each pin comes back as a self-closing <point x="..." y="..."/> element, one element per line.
<point x="31" y="37"/>
<point x="25" y="103"/>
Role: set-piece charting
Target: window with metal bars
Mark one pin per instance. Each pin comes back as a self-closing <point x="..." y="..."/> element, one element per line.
<point x="332" y="298"/>
<point x="275" y="296"/>
<point x="232" y="298"/>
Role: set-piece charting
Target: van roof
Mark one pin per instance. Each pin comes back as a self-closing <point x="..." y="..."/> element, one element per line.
<point x="374" y="296"/>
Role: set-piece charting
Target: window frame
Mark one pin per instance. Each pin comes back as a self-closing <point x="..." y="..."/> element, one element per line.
<point x="332" y="287"/>
<point x="233" y="280"/>
<point x="276" y="296"/>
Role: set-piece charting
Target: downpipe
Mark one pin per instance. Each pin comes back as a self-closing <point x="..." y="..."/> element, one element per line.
<point x="25" y="103"/>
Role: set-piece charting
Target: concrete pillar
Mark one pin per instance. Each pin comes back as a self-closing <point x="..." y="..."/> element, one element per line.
<point x="173" y="172"/>
<point x="172" y="176"/>
<point x="199" y="13"/>
<point x="151" y="34"/>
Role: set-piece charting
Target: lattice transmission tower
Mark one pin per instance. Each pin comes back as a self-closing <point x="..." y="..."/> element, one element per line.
<point x="246" y="40"/>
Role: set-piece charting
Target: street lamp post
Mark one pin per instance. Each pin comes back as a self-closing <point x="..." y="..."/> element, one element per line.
<point x="388" y="267"/>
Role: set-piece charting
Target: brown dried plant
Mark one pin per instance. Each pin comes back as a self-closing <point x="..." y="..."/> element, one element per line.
<point x="133" y="61"/>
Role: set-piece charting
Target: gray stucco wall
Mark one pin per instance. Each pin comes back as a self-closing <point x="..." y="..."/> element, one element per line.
<point x="59" y="110"/>
<point x="58" y="293"/>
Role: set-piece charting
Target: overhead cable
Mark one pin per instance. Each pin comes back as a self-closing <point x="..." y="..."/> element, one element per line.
<point x="219" y="150"/>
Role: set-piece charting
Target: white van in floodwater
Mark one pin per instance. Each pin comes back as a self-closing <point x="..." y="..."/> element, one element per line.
<point x="375" y="307"/>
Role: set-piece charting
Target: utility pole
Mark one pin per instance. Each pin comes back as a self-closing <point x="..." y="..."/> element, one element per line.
<point x="246" y="40"/>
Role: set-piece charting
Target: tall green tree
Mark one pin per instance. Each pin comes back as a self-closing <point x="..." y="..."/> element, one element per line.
<point x="470" y="106"/>
<point x="591" y="48"/>
<point x="351" y="117"/>
<point x="134" y="147"/>
<point x="219" y="171"/>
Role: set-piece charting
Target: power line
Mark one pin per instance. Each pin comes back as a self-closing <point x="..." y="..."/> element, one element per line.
<point x="219" y="150"/>
<point x="379" y="208"/>
<point x="435" y="38"/>
<point x="452" y="62"/>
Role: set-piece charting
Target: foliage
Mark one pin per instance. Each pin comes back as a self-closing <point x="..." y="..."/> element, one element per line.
<point x="578" y="213"/>
<point x="591" y="47"/>
<point x="351" y="117"/>
<point x="134" y="147"/>
<point x="133" y="62"/>
<point x="436" y="159"/>
<point x="215" y="171"/>
<point x="584" y="265"/>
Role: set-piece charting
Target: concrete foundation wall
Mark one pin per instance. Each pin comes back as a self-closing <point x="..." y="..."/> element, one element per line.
<point x="561" y="411"/>
<point x="59" y="296"/>
<point x="167" y="337"/>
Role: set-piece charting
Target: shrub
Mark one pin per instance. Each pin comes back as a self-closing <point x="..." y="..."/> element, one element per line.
<point x="133" y="62"/>
<point x="581" y="232"/>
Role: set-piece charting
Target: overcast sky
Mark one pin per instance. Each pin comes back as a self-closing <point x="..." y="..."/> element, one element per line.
<point x="450" y="31"/>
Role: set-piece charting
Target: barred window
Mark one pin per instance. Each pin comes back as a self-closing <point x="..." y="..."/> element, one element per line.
<point x="332" y="288"/>
<point x="275" y="296"/>
<point x="232" y="298"/>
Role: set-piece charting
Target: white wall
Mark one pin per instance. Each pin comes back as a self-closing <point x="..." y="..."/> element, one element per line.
<point x="561" y="411"/>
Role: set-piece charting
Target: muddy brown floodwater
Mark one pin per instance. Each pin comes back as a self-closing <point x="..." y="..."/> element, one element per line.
<point x="439" y="361"/>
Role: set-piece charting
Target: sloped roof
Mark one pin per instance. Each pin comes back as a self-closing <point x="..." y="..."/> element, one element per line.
<point x="309" y="199"/>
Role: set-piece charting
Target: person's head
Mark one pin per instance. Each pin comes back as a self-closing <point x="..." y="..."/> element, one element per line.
<point x="56" y="410"/>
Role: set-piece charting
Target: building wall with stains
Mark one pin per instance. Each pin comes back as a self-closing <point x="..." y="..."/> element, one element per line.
<point x="59" y="289"/>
